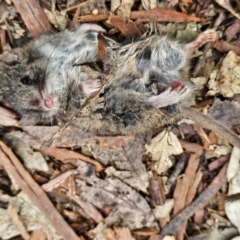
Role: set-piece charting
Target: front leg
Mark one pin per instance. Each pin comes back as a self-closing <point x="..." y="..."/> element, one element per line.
<point x="169" y="97"/>
<point x="209" y="35"/>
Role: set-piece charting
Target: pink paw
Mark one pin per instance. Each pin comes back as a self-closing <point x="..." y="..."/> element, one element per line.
<point x="169" y="97"/>
<point x="90" y="86"/>
<point x="209" y="35"/>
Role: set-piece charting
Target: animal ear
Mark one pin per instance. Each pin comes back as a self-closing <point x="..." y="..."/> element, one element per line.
<point x="13" y="57"/>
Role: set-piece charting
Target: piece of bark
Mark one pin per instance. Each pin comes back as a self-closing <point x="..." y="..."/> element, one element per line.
<point x="34" y="192"/>
<point x="128" y="29"/>
<point x="181" y="191"/>
<point x="17" y="222"/>
<point x="65" y="154"/>
<point x="224" y="46"/>
<point x="203" y="199"/>
<point x="218" y="162"/>
<point x="33" y="16"/>
<point x="214" y="125"/>
<point x="93" y="18"/>
<point x="192" y="147"/>
<point x="163" y="15"/>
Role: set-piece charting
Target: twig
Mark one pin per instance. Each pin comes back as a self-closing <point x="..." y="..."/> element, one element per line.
<point x="17" y="222"/>
<point x="34" y="192"/>
<point x="209" y="123"/>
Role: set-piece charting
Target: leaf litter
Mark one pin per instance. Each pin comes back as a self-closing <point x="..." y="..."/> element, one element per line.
<point x="160" y="185"/>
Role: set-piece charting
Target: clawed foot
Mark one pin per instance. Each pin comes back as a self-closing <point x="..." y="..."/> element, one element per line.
<point x="209" y="35"/>
<point x="169" y="97"/>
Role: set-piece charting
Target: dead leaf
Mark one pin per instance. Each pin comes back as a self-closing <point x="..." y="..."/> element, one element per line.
<point x="139" y="182"/>
<point x="115" y="5"/>
<point x="90" y="6"/>
<point x="172" y="3"/>
<point x="164" y="210"/>
<point x="230" y="74"/>
<point x="149" y="4"/>
<point x="124" y="9"/>
<point x="161" y="148"/>
<point x="226" y="4"/>
<point x="33" y="218"/>
<point x="58" y="19"/>
<point x="36" y="136"/>
<point x="232" y="31"/>
<point x="225" y="47"/>
<point x="227" y="112"/>
<point x="185" y="5"/>
<point x="190" y="33"/>
<point x="33" y="160"/>
<point x="126" y="159"/>
<point x="199" y="81"/>
<point x="123" y="233"/>
<point x="127" y="204"/>
<point x="213" y="83"/>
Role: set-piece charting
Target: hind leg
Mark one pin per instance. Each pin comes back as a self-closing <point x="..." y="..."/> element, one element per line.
<point x="169" y="97"/>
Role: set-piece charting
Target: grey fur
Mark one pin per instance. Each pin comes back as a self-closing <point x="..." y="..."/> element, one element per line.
<point x="56" y="64"/>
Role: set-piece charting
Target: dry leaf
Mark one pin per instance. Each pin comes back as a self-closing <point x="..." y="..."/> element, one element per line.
<point x="36" y="136"/>
<point x="58" y="19"/>
<point x="169" y="238"/>
<point x="230" y="74"/>
<point x="127" y="205"/>
<point x="232" y="31"/>
<point x="172" y="3"/>
<point x="233" y="175"/>
<point x="164" y="210"/>
<point x="123" y="233"/>
<point x="199" y="81"/>
<point x="226" y="4"/>
<point x="9" y="14"/>
<point x="227" y="112"/>
<point x="149" y="4"/>
<point x="33" y="218"/>
<point x="189" y="34"/>
<point x="125" y="9"/>
<point x="17" y="31"/>
<point x="126" y="159"/>
<point x="185" y="5"/>
<point x="32" y="160"/>
<point x="139" y="182"/>
<point x="213" y="83"/>
<point x="162" y="147"/>
<point x="220" y="234"/>
<point x="115" y="5"/>
<point x="233" y="169"/>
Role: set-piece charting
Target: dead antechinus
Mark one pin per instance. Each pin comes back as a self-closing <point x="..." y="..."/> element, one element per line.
<point x="51" y="77"/>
